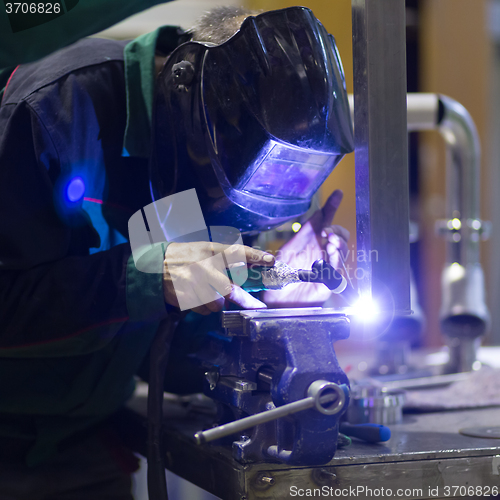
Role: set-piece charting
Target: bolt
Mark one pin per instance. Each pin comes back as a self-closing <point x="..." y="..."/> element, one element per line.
<point x="212" y="377"/>
<point x="244" y="385"/>
<point x="323" y="476"/>
<point x="327" y="473"/>
<point x="267" y="480"/>
<point x="263" y="481"/>
<point x="270" y="406"/>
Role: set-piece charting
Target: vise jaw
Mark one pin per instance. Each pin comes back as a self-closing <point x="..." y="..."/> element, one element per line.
<point x="265" y="359"/>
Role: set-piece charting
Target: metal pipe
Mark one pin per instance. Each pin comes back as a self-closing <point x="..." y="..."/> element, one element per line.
<point x="464" y="315"/>
<point x="422" y="111"/>
<point x="381" y="145"/>
<point x="427" y="111"/>
<point x="462" y="180"/>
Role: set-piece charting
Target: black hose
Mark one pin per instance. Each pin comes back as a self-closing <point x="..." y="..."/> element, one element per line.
<point x="160" y="351"/>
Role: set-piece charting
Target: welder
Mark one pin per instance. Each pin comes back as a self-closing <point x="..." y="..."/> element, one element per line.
<point x="248" y="110"/>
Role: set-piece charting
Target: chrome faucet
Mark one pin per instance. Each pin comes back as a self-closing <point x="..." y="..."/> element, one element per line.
<point x="464" y="316"/>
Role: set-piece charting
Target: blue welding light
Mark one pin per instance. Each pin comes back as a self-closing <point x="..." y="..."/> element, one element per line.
<point x="366" y="308"/>
<point x="75" y="189"/>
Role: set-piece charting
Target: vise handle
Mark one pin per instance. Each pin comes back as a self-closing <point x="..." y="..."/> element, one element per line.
<point x="326" y="397"/>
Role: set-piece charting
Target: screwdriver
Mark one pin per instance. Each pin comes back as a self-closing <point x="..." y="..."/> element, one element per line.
<point x="372" y="433"/>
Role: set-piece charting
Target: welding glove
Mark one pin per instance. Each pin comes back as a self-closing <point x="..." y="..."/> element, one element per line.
<point x="316" y="239"/>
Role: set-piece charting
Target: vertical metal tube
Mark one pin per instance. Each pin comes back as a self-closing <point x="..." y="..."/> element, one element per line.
<point x="464" y="315"/>
<point x="463" y="165"/>
<point x="380" y="127"/>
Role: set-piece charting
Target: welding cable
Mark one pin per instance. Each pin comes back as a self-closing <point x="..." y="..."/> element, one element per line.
<point x="159" y="353"/>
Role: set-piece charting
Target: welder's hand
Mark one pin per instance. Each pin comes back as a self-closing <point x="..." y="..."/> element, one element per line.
<point x="317" y="239"/>
<point x="194" y="275"/>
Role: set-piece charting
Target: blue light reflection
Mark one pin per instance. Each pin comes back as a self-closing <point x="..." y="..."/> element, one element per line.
<point x="75" y="189"/>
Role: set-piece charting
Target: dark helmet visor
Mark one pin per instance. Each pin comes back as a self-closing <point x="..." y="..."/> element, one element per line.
<point x="263" y="122"/>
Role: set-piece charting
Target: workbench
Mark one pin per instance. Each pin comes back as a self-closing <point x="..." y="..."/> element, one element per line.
<point x="425" y="458"/>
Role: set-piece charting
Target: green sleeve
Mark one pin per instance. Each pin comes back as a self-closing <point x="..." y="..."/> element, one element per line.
<point x="145" y="289"/>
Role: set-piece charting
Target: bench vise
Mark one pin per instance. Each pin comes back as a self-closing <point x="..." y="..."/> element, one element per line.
<point x="274" y="375"/>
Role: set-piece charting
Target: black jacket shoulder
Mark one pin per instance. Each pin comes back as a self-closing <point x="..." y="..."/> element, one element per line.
<point x="30" y="78"/>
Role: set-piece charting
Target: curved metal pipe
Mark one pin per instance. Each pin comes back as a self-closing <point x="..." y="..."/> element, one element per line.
<point x="464" y="315"/>
<point x="462" y="181"/>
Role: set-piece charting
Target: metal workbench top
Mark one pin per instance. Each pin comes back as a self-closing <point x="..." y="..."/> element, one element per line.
<point x="426" y="457"/>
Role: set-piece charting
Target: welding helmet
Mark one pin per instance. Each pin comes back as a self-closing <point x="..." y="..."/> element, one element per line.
<point x="254" y="124"/>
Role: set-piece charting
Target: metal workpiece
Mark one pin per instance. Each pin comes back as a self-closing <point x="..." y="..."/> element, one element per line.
<point x="381" y="146"/>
